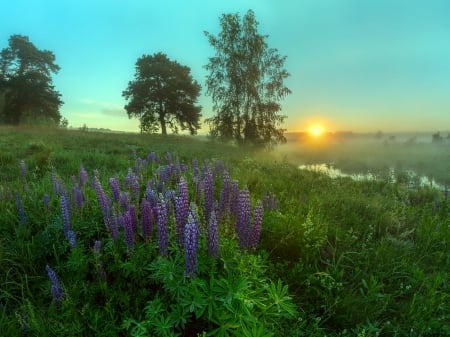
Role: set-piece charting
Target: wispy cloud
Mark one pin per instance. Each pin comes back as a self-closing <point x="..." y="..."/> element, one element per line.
<point x="106" y="108"/>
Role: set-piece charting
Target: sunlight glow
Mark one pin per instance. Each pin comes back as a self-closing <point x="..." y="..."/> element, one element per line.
<point x="316" y="130"/>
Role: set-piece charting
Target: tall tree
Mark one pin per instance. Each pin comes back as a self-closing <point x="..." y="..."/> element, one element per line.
<point x="163" y="94"/>
<point x="245" y="82"/>
<point x="26" y="84"/>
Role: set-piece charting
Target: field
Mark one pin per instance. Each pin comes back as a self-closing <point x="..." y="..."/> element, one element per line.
<point x="105" y="234"/>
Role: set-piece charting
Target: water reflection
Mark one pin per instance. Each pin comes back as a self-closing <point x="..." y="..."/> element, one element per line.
<point x="408" y="178"/>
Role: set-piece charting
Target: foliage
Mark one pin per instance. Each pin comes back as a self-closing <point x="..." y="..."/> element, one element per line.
<point x="26" y="88"/>
<point x="345" y="257"/>
<point x="163" y="94"/>
<point x="245" y="82"/>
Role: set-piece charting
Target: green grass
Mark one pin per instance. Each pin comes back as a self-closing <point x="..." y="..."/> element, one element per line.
<point x="338" y="257"/>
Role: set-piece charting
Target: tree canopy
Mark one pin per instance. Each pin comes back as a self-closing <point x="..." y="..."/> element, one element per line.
<point x="245" y="82"/>
<point x="163" y="94"/>
<point x="26" y="90"/>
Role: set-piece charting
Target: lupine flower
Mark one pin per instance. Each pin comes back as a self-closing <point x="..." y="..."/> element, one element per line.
<point x="77" y="195"/>
<point x="20" y="210"/>
<point x="83" y="176"/>
<point x="58" y="184"/>
<point x="213" y="236"/>
<point x="124" y="200"/>
<point x="151" y="196"/>
<point x="65" y="212"/>
<point x="152" y="157"/>
<point x="114" y="225"/>
<point x="103" y="200"/>
<point x="234" y="198"/>
<point x="181" y="209"/>
<point x="190" y="246"/>
<point x="147" y="217"/>
<point x="46" y="200"/>
<point x="133" y="217"/>
<point x="97" y="246"/>
<point x="224" y="203"/>
<point x="269" y="201"/>
<point x="163" y="229"/>
<point x="129" y="232"/>
<point x="208" y="185"/>
<point x="72" y="238"/>
<point x="163" y="174"/>
<point x="132" y="182"/>
<point x="243" y="219"/>
<point x="57" y="290"/>
<point x="257" y="225"/>
<point x="114" y="183"/>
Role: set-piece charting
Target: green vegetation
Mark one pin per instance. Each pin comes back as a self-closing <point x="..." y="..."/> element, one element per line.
<point x="336" y="257"/>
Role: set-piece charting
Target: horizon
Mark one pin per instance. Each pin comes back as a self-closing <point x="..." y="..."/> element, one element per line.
<point x="367" y="67"/>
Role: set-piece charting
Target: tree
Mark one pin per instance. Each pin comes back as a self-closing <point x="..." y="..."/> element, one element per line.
<point x="163" y="94"/>
<point x="245" y="82"/>
<point x="26" y="85"/>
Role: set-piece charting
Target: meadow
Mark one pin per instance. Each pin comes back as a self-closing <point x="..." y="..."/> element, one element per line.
<point x="110" y="234"/>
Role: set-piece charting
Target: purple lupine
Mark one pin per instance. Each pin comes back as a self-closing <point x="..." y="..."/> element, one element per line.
<point x="163" y="174"/>
<point x="129" y="232"/>
<point x="114" y="224"/>
<point x="163" y="229"/>
<point x="147" y="217"/>
<point x="77" y="195"/>
<point x="72" y="238"/>
<point x="208" y="186"/>
<point x="234" y="199"/>
<point x="133" y="217"/>
<point x="257" y="225"/>
<point x="65" y="212"/>
<point x="224" y="203"/>
<point x="97" y="247"/>
<point x="151" y="196"/>
<point x="152" y="157"/>
<point x="213" y="236"/>
<point x="114" y="183"/>
<point x="58" y="184"/>
<point x="124" y="200"/>
<point x="20" y="210"/>
<point x="103" y="200"/>
<point x="169" y="159"/>
<point x="243" y="219"/>
<point x="132" y="183"/>
<point x="190" y="246"/>
<point x="46" y="200"/>
<point x="181" y="209"/>
<point x="57" y="290"/>
<point x="83" y="176"/>
<point x="269" y="201"/>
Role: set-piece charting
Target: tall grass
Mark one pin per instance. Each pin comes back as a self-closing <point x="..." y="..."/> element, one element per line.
<point x="99" y="237"/>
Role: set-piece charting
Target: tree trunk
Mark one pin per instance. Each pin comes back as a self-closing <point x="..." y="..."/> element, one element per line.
<point x="162" y="121"/>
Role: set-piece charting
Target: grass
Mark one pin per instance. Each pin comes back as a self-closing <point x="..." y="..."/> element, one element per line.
<point x="336" y="257"/>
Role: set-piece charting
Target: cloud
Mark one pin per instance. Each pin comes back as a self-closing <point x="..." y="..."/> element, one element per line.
<point x="106" y="108"/>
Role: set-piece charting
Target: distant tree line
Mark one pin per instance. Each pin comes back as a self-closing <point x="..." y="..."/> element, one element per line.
<point x="245" y="82"/>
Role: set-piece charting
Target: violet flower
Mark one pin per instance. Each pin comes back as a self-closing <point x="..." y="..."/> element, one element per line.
<point x="163" y="229"/>
<point x="257" y="225"/>
<point x="56" y="288"/>
<point x="190" y="246"/>
<point x="213" y="236"/>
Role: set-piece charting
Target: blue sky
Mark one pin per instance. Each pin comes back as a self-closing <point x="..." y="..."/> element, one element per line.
<point x="355" y="65"/>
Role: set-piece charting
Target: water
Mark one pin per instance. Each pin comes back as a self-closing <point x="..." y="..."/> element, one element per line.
<point x="408" y="177"/>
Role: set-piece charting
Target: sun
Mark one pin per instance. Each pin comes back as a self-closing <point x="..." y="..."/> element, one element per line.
<point x="316" y="130"/>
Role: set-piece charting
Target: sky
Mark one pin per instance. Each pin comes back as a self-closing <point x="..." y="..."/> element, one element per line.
<point x="355" y="65"/>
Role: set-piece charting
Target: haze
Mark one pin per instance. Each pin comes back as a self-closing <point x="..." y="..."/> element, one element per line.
<point x="358" y="66"/>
